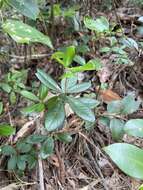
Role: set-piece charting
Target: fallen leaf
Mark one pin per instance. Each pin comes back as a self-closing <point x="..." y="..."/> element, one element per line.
<point x="108" y="95"/>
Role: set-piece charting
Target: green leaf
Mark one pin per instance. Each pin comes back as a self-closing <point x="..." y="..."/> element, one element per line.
<point x="12" y="97"/>
<point x="5" y="87"/>
<point x="43" y="91"/>
<point x="141" y="187"/>
<point x="69" y="55"/>
<point x="78" y="59"/>
<point x="1" y="107"/>
<point x="105" y="50"/>
<point x="94" y="64"/>
<point x="79" y="87"/>
<point x="55" y="116"/>
<point x="67" y="83"/>
<point x="130" y="43"/>
<point x="128" y="158"/>
<point x="28" y="8"/>
<point x="12" y="162"/>
<point x="23" y="147"/>
<point x="35" y="108"/>
<point x="81" y="109"/>
<point x="89" y="102"/>
<point x="64" y="137"/>
<point x="105" y="121"/>
<point x="7" y="150"/>
<point x="21" y="162"/>
<point x="134" y="127"/>
<point x="6" y="130"/>
<point x="117" y="129"/>
<point x="23" y="33"/>
<point x="115" y="107"/>
<point x="130" y="105"/>
<point x="32" y="161"/>
<point x="65" y="58"/>
<point x="34" y="139"/>
<point x="47" y="80"/>
<point x="100" y="25"/>
<point x="47" y="148"/>
<point x="127" y="105"/>
<point x="29" y="95"/>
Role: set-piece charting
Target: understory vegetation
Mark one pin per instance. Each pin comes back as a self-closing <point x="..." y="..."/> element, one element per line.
<point x="71" y="94"/>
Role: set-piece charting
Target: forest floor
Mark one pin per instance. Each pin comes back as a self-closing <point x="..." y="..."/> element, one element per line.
<point x="81" y="164"/>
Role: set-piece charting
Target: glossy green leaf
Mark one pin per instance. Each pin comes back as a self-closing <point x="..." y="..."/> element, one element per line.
<point x="68" y="83"/>
<point x="64" y="137"/>
<point x="6" y="87"/>
<point x="127" y="157"/>
<point x="117" y="129"/>
<point x="134" y="127"/>
<point x="43" y="91"/>
<point x="55" y="116"/>
<point x="29" y="95"/>
<point x="94" y="64"/>
<point x="1" y="107"/>
<point x="47" y="148"/>
<point x="12" y="97"/>
<point x="81" y="109"/>
<point x="99" y="25"/>
<point x="6" y="130"/>
<point x="65" y="58"/>
<point x="47" y="80"/>
<point x="79" y="87"/>
<point x="23" y="33"/>
<point x="28" y="8"/>
<point x="69" y="55"/>
<point x="35" y="108"/>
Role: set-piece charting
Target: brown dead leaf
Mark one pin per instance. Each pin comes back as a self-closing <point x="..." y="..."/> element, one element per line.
<point x="108" y="95"/>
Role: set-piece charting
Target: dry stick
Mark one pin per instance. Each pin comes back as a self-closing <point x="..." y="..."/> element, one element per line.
<point x="40" y="164"/>
<point x="41" y="176"/>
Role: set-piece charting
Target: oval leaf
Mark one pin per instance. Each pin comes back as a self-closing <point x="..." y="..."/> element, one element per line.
<point x="23" y="33"/>
<point x="55" y="116"/>
<point x="28" y="8"/>
<point x="134" y="127"/>
<point x="29" y="95"/>
<point x="47" y="80"/>
<point x="6" y="130"/>
<point x="81" y="109"/>
<point x="128" y="158"/>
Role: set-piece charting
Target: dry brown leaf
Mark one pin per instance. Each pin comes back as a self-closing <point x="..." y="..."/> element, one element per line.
<point x="24" y="130"/>
<point x="108" y="95"/>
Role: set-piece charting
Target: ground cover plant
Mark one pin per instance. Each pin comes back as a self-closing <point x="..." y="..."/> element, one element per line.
<point x="71" y="85"/>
